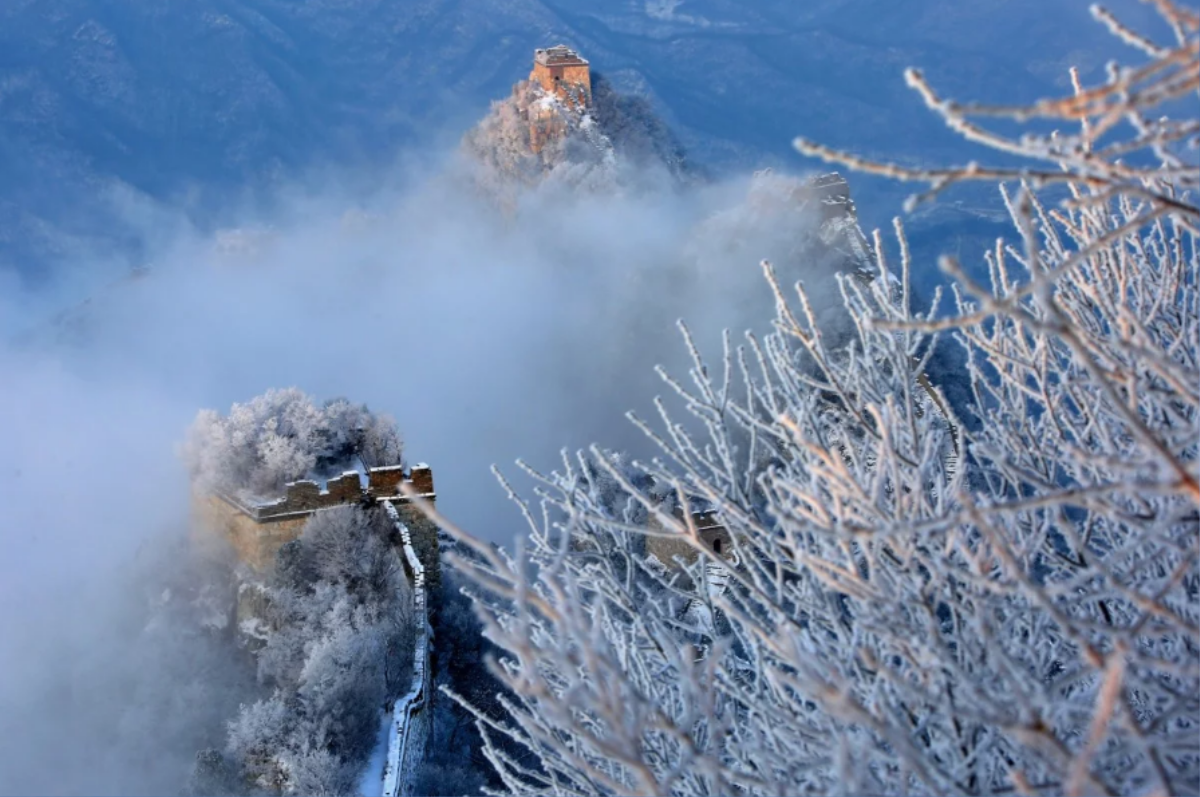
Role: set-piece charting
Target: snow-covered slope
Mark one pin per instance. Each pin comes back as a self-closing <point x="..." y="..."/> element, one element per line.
<point x="104" y="101"/>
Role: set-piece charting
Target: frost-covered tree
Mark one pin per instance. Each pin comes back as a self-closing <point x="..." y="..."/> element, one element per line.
<point x="212" y="774"/>
<point x="913" y="603"/>
<point x="319" y="773"/>
<point x="348" y="547"/>
<point x="257" y="737"/>
<point x="338" y="633"/>
<point x="282" y="436"/>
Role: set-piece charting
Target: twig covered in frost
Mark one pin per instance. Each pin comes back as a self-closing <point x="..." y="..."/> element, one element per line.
<point x="1073" y="159"/>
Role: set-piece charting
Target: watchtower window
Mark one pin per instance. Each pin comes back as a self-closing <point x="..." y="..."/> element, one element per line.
<point x="717" y="545"/>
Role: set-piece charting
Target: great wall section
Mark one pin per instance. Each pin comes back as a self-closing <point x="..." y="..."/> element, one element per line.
<point x="411" y="714"/>
<point x="257" y="530"/>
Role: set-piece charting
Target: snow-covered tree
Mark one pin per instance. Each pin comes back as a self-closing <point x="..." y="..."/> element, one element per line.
<point x="319" y="773"/>
<point x="282" y="436"/>
<point x="256" y="737"/>
<point x="338" y="644"/>
<point x="348" y="547"/>
<point x="913" y="603"/>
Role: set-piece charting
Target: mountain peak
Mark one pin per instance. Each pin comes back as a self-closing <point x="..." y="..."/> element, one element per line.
<point x="566" y="124"/>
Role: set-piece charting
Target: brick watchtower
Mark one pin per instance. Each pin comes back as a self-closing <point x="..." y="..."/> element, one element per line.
<point x="560" y="70"/>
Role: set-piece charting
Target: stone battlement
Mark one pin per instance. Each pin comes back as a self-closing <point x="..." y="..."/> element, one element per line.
<point x="258" y="530"/>
<point x="831" y="187"/>
<point x="559" y="55"/>
<point x="828" y="194"/>
<point x="305" y="497"/>
<point x="560" y="70"/>
<point x="712" y="534"/>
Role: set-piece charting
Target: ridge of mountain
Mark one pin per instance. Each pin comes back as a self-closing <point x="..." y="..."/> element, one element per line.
<point x="105" y="104"/>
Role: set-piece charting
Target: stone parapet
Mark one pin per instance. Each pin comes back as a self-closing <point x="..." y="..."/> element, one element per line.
<point x="412" y="714"/>
<point x="257" y="531"/>
<point x="305" y="497"/>
<point x="668" y="548"/>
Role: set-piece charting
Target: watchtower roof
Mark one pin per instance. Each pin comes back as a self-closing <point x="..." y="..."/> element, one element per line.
<point x="559" y="55"/>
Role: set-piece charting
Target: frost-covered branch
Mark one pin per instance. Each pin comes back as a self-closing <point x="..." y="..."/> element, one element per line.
<point x="1154" y="160"/>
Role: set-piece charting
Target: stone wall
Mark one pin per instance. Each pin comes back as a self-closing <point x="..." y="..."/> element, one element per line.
<point x="561" y="79"/>
<point x="667" y="549"/>
<point x="412" y="713"/>
<point x="257" y="531"/>
<point x="305" y="497"/>
<point x="254" y="542"/>
<point x="424" y="537"/>
<point x="559" y="70"/>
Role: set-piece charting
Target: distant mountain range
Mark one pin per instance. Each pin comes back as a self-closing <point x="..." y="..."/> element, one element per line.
<point x="106" y="102"/>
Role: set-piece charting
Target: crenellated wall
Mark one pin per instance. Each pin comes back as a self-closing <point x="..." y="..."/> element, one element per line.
<point x="258" y="531"/>
<point x="832" y="193"/>
<point x="710" y="530"/>
<point x="412" y="713"/>
<point x="561" y="73"/>
<point x="254" y="542"/>
<point x="560" y="70"/>
<point x="306" y="497"/>
<point x="676" y="549"/>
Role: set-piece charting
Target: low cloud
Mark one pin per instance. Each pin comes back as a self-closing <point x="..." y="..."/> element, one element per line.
<point x="488" y="335"/>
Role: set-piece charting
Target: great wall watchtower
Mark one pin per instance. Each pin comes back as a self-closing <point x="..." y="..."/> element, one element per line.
<point x="668" y="548"/>
<point x="561" y="74"/>
<point x="257" y="530"/>
<point x="560" y="70"/>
